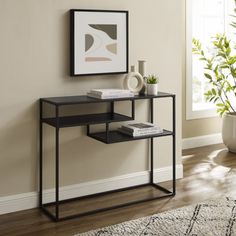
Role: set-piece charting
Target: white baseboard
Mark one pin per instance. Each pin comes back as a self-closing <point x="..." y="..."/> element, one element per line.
<point x="25" y="201"/>
<point x="201" y="141"/>
<point x="18" y="202"/>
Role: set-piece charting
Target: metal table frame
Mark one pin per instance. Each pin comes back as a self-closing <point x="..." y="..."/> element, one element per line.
<point x="57" y="202"/>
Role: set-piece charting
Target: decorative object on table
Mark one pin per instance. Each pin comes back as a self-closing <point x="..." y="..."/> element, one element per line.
<point x="152" y="85"/>
<point x="110" y="93"/>
<point x="140" y="129"/>
<point x="99" y="42"/>
<point x="142" y="71"/>
<point x="142" y="67"/>
<point x="132" y="68"/>
<point x="127" y="82"/>
<point x="212" y="217"/>
<point x="221" y="76"/>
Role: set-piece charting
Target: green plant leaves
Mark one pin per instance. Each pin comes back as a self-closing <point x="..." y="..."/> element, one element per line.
<point x="152" y="79"/>
<point x="220" y="71"/>
<point x="208" y="76"/>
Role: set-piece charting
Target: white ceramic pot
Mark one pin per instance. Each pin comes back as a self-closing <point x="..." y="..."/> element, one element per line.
<point x="229" y="131"/>
<point x="152" y="89"/>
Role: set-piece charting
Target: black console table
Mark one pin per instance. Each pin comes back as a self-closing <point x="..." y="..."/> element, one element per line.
<point x="107" y="137"/>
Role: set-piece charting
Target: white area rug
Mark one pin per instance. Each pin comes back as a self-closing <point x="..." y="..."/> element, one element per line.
<point x="210" y="218"/>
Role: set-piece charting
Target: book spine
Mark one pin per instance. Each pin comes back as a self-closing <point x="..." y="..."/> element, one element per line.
<point x="127" y="129"/>
<point x="117" y="96"/>
<point x="140" y="133"/>
<point x="93" y="95"/>
<point x="95" y="92"/>
<point x="148" y="132"/>
<point x="109" y="96"/>
<point x="125" y="132"/>
<point x="133" y="129"/>
<point x="110" y="93"/>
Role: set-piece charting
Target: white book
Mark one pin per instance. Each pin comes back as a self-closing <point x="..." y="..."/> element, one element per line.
<point x="156" y="128"/>
<point x="140" y="126"/>
<point x="110" y="91"/>
<point x="147" y="131"/>
<point x="110" y="96"/>
<point x="139" y="134"/>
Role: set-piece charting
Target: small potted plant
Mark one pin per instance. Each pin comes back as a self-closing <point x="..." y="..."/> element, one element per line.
<point x="152" y="84"/>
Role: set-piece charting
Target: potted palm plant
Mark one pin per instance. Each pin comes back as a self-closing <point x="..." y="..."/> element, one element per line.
<point x="220" y="71"/>
<point x="152" y="84"/>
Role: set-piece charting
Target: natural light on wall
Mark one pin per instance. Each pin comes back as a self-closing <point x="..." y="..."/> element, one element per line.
<point x="205" y="18"/>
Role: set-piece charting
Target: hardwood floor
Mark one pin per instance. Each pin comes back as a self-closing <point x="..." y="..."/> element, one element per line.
<point x="209" y="172"/>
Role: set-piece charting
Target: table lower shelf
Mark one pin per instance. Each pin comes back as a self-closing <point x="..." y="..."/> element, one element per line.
<point x="117" y="137"/>
<point x="95" y="203"/>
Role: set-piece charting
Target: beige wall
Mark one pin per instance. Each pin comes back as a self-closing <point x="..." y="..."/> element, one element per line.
<point x="195" y="127"/>
<point x="198" y="127"/>
<point x="34" y="61"/>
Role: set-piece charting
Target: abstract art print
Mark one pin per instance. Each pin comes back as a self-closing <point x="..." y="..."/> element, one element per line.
<point x="99" y="42"/>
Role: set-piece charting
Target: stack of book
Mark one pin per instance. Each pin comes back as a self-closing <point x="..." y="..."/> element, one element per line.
<point x="110" y="93"/>
<point x="140" y="129"/>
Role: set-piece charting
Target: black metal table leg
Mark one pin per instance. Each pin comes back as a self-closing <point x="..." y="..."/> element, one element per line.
<point x="112" y="107"/>
<point x="133" y="109"/>
<point x="174" y="146"/>
<point x="57" y="165"/>
<point x="88" y="129"/>
<point x="107" y="132"/>
<point x="40" y="153"/>
<point x="151" y="161"/>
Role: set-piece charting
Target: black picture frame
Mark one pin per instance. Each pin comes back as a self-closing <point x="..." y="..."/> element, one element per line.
<point x="118" y="60"/>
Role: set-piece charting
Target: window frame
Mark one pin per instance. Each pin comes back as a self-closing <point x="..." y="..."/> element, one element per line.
<point x="190" y="113"/>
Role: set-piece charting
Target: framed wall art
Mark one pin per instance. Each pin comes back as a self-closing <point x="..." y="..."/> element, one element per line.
<point x="99" y="42"/>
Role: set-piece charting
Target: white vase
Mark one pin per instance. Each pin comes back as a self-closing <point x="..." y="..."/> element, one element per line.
<point x="142" y="71"/>
<point x="142" y="67"/>
<point x="152" y="89"/>
<point x="229" y="131"/>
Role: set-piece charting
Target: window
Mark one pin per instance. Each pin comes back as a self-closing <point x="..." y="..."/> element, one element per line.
<point x="205" y="18"/>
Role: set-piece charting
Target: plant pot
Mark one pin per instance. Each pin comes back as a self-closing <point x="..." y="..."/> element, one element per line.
<point x="229" y="131"/>
<point x="152" y="89"/>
